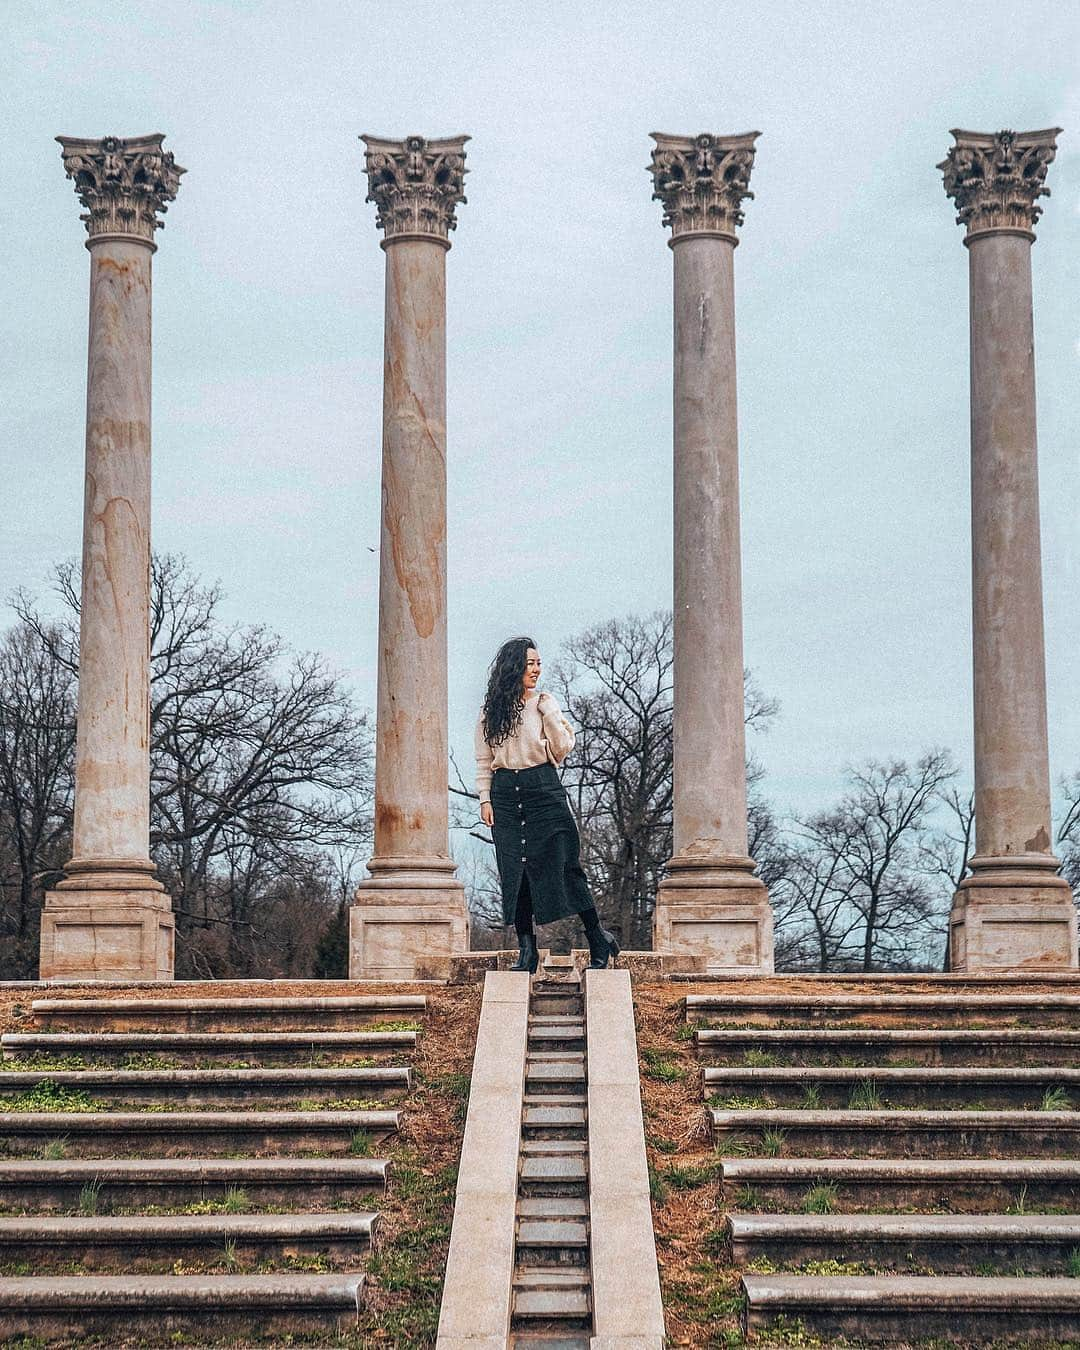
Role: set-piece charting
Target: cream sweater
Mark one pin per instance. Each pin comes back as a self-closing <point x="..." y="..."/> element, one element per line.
<point x="540" y="739"/>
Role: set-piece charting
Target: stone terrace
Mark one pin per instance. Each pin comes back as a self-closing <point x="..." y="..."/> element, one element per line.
<point x="215" y="1161"/>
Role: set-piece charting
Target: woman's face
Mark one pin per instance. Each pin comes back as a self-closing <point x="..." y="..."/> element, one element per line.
<point x="532" y="670"/>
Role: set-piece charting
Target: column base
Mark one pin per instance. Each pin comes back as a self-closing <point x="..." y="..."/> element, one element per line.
<point x="715" y="911"/>
<point x="109" y="934"/>
<point x="1013" y="914"/>
<point x="407" y="921"/>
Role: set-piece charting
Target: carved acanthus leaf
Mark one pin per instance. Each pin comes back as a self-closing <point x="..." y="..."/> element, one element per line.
<point x="996" y="178"/>
<point x="415" y="184"/>
<point x="124" y="184"/>
<point x="702" y="181"/>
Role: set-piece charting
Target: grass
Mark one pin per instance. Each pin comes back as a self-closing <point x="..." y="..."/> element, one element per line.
<point x="1055" y="1099"/>
<point x="48" y="1096"/>
<point x="88" y="1198"/>
<point x="865" y="1096"/>
<point x="658" y="1191"/>
<point x="1019" y="1205"/>
<point x="360" y="1143"/>
<point x="55" y="1150"/>
<point x="759" y="1059"/>
<point x="740" y="1103"/>
<point x="1072" y="1264"/>
<point x="772" y="1142"/>
<point x="662" y="1068"/>
<point x="811" y="1097"/>
<point x="819" y="1200"/>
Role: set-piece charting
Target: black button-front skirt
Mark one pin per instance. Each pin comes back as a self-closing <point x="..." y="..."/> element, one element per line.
<point x="535" y="834"/>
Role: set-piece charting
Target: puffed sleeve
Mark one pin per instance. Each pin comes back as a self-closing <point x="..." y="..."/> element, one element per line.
<point x="483" y="761"/>
<point x="558" y="732"/>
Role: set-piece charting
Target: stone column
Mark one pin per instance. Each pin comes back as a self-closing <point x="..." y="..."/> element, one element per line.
<point x="710" y="906"/>
<point x="110" y="918"/>
<point x="409" y="917"/>
<point x="1014" y="911"/>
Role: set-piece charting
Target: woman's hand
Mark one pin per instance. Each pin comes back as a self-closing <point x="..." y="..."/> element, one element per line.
<point x="487" y="815"/>
<point x="542" y="703"/>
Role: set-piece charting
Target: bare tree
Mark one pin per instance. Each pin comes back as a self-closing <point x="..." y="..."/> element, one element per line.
<point x="863" y="882"/>
<point x="37" y="737"/>
<point x="1069" y="834"/>
<point x="260" y="762"/>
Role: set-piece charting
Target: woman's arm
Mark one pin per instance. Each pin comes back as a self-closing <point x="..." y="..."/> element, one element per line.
<point x="557" y="730"/>
<point x="484" y="757"/>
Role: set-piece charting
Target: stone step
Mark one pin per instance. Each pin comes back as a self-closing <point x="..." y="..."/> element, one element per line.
<point x="529" y="1147"/>
<point x="875" y="1134"/>
<point x="882" y="1184"/>
<point x="224" y="1014"/>
<point x="160" y="1306"/>
<point x="559" y="1242"/>
<point x="999" y="1046"/>
<point x="923" y="1086"/>
<point x="214" y="1087"/>
<point x="534" y="1118"/>
<point x="550" y="1294"/>
<point x="556" y="1033"/>
<point x="561" y="1004"/>
<point x="39" y="1186"/>
<point x="946" y="1243"/>
<point x="552" y="1207"/>
<point x="112" y="1242"/>
<point x="552" y="1174"/>
<point x="547" y="1341"/>
<point x="930" y="1009"/>
<point x="899" y="1308"/>
<point x="193" y="1133"/>
<point x="188" y="1047"/>
<point x="554" y="1073"/>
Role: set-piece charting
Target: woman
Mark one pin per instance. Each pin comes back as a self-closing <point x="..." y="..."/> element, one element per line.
<point x="520" y="738"/>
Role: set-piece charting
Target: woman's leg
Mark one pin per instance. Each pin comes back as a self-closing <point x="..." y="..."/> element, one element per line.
<point x="528" y="956"/>
<point x="523" y="915"/>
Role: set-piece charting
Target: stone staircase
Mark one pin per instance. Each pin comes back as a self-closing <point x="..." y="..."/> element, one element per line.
<point x="195" y="1167"/>
<point x="552" y="1295"/>
<point x="899" y="1166"/>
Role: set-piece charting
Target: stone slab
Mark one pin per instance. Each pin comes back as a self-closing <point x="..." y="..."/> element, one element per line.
<point x="477" y="1287"/>
<point x="625" y="1277"/>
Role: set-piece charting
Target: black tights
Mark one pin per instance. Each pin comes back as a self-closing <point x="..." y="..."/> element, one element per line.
<point x="523" y="914"/>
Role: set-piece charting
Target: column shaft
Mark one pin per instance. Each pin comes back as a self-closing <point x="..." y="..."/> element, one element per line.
<point x="109" y="918"/>
<point x="112" y="772"/>
<point x="409" y="917"/>
<point x="411" y="818"/>
<point x="710" y="773"/>
<point x="1014" y="912"/>
<point x="711" y="911"/>
<point x="1012" y="780"/>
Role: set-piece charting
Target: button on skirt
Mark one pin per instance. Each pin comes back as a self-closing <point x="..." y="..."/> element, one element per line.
<point x="535" y="835"/>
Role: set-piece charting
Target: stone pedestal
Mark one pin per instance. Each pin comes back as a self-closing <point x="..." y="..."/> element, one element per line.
<point x="410" y="916"/>
<point x="710" y="904"/>
<point x="109" y="918"/>
<point x="1014" y="912"/>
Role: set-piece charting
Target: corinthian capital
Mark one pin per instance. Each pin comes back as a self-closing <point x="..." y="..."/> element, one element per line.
<point x="122" y="183"/>
<point x="995" y="178"/>
<point x="702" y="181"/>
<point x="415" y="185"/>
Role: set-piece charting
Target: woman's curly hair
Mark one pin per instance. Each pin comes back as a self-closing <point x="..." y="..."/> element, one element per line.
<point x="503" y="702"/>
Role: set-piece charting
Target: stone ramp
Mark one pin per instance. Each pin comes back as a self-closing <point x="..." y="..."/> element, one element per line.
<point x="105" y="1185"/>
<point x="552" y="1239"/>
<point x="889" y="1202"/>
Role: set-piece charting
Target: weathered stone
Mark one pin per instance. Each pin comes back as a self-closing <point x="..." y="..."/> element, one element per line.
<point x="480" y="1262"/>
<point x="709" y="904"/>
<point x="1014" y="910"/>
<point x="625" y="1279"/>
<point x="410" y="915"/>
<point x="109" y="918"/>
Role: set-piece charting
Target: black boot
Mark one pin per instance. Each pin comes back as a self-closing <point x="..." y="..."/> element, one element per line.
<point x="528" y="956"/>
<point x="602" y="945"/>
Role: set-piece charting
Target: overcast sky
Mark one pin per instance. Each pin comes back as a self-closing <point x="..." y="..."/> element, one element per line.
<point x="851" y="289"/>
